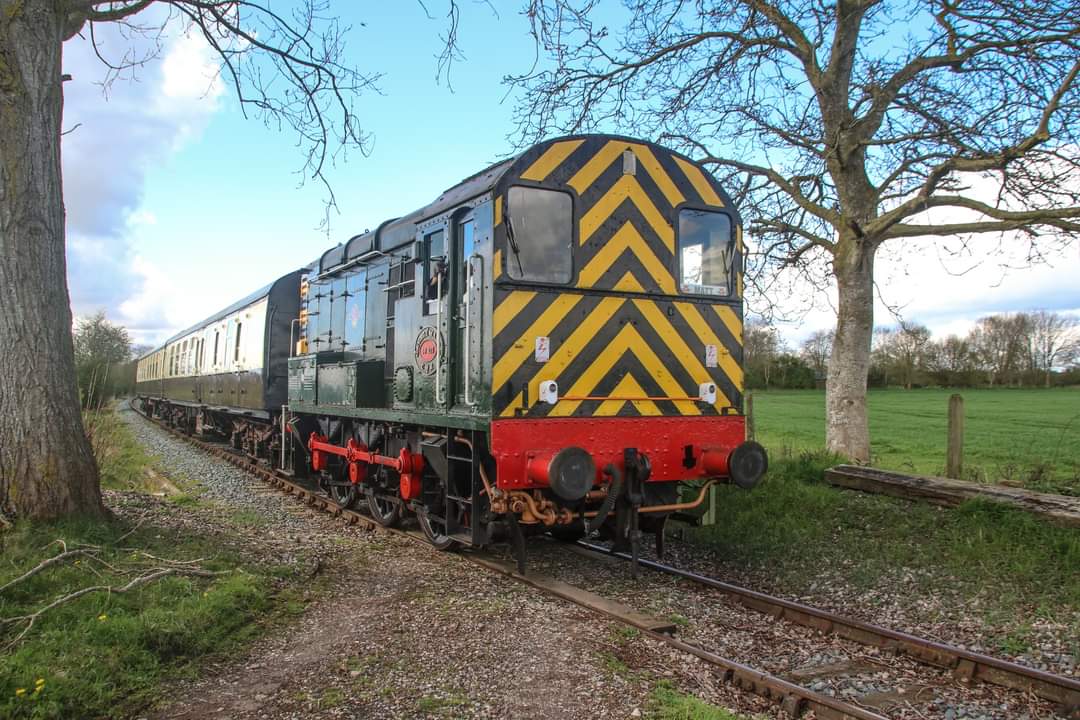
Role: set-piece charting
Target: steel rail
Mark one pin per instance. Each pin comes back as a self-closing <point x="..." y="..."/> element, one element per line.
<point x="965" y="664"/>
<point x="793" y="699"/>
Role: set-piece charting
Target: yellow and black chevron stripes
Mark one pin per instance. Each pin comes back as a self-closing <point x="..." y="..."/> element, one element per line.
<point x="627" y="188"/>
<point x="635" y="209"/>
<point x="626" y="219"/>
<point x="551" y="159"/>
<point x="698" y="180"/>
<point x="626" y="241"/>
<point x="627" y="356"/>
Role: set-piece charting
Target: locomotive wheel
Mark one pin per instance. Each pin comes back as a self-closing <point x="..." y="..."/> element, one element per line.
<point x="383" y="511"/>
<point x="344" y="495"/>
<point x="434" y="531"/>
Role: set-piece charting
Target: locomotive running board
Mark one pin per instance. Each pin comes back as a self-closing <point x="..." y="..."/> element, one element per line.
<point x="578" y="595"/>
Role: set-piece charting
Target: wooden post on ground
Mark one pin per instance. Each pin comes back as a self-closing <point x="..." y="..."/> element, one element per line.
<point x="954" y="459"/>
<point x="748" y="402"/>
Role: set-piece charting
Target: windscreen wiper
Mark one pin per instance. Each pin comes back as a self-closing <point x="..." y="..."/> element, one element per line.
<point x="513" y="243"/>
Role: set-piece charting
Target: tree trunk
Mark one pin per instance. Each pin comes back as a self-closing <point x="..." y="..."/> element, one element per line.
<point x="847" y="430"/>
<point x="47" y="469"/>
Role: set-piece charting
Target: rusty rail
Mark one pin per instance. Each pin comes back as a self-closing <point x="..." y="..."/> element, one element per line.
<point x="793" y="699"/>
<point x="966" y="665"/>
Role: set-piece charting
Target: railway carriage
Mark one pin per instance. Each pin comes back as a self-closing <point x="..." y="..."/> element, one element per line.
<point x="228" y="374"/>
<point x="554" y="344"/>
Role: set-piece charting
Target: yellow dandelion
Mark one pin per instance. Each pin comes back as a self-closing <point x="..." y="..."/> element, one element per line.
<point x="19" y="692"/>
<point x="40" y="682"/>
<point x="102" y="617"/>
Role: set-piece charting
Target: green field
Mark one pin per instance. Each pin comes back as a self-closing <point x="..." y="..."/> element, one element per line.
<point x="1022" y="437"/>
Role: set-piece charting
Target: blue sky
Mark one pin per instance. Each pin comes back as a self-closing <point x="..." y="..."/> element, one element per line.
<point x="177" y="205"/>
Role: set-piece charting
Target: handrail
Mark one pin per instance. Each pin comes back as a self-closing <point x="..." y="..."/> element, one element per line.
<point x="439" y="397"/>
<point x="469" y="277"/>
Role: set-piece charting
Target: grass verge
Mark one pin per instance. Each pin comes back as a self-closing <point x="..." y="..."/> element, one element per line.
<point x="103" y="654"/>
<point x="106" y="653"/>
<point x="798" y="528"/>
<point x="668" y="703"/>
<point x="123" y="462"/>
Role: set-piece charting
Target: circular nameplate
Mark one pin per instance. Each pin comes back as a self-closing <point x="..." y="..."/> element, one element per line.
<point x="427" y="350"/>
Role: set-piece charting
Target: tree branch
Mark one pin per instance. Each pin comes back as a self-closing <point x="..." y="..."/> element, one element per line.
<point x="137" y="582"/>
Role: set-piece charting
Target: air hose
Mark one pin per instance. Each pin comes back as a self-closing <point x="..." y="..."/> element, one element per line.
<point x="609" y="501"/>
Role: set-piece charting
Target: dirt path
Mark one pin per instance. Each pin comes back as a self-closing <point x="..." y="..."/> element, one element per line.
<point x="407" y="632"/>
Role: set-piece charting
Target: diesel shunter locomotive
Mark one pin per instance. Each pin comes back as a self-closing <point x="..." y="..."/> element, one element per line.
<point x="552" y="345"/>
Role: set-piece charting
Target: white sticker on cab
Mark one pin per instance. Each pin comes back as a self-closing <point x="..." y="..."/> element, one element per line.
<point x="710" y="356"/>
<point x="543" y="348"/>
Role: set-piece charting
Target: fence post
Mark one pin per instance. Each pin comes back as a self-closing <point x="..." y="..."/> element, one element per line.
<point x="954" y="459"/>
<point x="748" y="402"/>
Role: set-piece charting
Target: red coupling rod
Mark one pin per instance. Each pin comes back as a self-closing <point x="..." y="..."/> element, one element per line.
<point x="406" y="464"/>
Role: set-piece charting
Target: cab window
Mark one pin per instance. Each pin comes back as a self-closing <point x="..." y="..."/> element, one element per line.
<point x="706" y="252"/>
<point x="539" y="235"/>
<point x="435" y="281"/>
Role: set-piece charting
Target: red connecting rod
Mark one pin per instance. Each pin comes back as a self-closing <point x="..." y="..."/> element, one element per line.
<point x="408" y="465"/>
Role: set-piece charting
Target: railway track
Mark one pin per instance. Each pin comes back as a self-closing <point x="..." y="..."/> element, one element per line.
<point x="964" y="664"/>
<point x="796" y="700"/>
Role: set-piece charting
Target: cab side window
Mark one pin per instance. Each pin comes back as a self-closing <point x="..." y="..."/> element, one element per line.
<point x="435" y="280"/>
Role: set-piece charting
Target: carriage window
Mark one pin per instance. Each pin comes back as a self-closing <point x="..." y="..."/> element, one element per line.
<point x="236" y="353"/>
<point x="539" y="233"/>
<point x="706" y="252"/>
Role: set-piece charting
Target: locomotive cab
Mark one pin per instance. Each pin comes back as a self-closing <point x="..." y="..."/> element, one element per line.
<point x="617" y="336"/>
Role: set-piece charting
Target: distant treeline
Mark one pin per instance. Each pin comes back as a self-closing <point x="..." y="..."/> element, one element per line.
<point x="1024" y="349"/>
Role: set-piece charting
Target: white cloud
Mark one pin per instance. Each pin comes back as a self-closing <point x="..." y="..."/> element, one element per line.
<point x="146" y="116"/>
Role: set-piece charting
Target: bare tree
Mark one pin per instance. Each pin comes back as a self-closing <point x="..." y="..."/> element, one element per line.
<point x="286" y="68"/>
<point x="1000" y="343"/>
<point x="100" y="346"/>
<point x="883" y="353"/>
<point x="1054" y="341"/>
<point x="839" y="126"/>
<point x="901" y="353"/>
<point x="816" y="350"/>
<point x="910" y="350"/>
<point x="953" y="363"/>
<point x="762" y="345"/>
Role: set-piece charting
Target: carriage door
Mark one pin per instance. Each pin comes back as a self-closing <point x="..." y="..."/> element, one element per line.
<point x="465" y="298"/>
